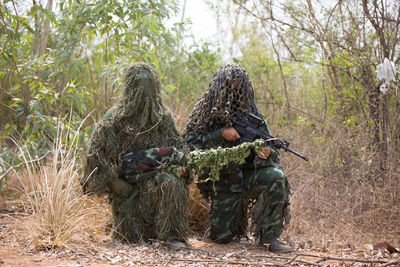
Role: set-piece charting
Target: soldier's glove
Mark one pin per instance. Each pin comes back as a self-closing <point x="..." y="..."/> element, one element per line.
<point x="271" y="160"/>
<point x="264" y="154"/>
<point x="121" y="187"/>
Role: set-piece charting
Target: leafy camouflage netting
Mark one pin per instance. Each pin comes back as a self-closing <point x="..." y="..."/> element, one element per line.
<point x="230" y="93"/>
<point x="216" y="159"/>
<point x="139" y="164"/>
<point x="138" y="121"/>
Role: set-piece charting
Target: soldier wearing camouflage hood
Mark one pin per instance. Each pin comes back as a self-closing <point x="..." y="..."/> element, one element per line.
<point x="145" y="205"/>
<point x="260" y="181"/>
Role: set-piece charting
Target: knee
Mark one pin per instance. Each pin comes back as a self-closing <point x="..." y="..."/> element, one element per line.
<point x="271" y="176"/>
<point x="280" y="180"/>
<point x="274" y="180"/>
<point x="281" y="185"/>
<point x="280" y="177"/>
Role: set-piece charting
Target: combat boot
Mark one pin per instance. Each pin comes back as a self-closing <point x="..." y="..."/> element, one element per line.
<point x="274" y="245"/>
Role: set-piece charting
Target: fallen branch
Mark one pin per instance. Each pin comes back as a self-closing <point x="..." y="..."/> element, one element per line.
<point x="290" y="260"/>
<point x="217" y="261"/>
<point x="392" y="263"/>
<point x="325" y="258"/>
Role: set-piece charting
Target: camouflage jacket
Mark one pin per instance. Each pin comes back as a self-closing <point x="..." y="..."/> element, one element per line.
<point x="214" y="139"/>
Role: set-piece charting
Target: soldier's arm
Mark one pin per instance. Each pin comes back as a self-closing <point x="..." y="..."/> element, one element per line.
<point x="203" y="140"/>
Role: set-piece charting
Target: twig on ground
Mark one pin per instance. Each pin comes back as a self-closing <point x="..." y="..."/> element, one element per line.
<point x="219" y="261"/>
<point x="325" y="258"/>
<point x="292" y="260"/>
<point x="287" y="258"/>
<point x="392" y="263"/>
<point x="168" y="244"/>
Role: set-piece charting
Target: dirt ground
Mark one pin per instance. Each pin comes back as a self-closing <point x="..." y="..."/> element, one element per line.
<point x="102" y="251"/>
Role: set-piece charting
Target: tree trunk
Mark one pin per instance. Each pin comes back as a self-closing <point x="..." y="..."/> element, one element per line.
<point x="379" y="115"/>
<point x="385" y="129"/>
<point x="46" y="30"/>
<point x="373" y="101"/>
<point x="36" y="45"/>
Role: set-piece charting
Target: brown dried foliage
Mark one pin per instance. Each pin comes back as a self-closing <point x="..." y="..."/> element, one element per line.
<point x="342" y="196"/>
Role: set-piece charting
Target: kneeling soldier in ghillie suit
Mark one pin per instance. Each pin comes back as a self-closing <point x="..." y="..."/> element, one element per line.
<point x="259" y="183"/>
<point x="145" y="205"/>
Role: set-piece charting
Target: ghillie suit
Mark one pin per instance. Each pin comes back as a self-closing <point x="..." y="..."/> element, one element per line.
<point x="258" y="183"/>
<point x="155" y="207"/>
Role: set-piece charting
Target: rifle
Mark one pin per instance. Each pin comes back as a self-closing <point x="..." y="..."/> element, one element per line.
<point x="248" y="129"/>
<point x="138" y="165"/>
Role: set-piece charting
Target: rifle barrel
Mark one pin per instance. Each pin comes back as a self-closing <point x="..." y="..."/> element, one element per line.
<point x="296" y="153"/>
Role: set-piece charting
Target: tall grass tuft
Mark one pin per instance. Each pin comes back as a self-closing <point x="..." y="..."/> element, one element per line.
<point x="57" y="212"/>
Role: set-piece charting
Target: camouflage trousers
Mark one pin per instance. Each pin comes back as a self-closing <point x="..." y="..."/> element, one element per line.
<point x="271" y="189"/>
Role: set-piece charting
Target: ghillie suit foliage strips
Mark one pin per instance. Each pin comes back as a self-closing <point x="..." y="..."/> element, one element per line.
<point x="229" y="94"/>
<point x="138" y="121"/>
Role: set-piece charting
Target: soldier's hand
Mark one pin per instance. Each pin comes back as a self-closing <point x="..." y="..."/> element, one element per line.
<point x="230" y="134"/>
<point x="264" y="154"/>
<point x="181" y="170"/>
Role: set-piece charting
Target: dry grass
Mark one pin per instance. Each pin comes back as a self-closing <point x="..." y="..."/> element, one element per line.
<point x="198" y="212"/>
<point x="57" y="212"/>
<point x="342" y="197"/>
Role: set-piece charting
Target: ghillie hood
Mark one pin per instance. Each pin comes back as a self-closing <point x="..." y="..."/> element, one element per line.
<point x="138" y="121"/>
<point x="230" y="93"/>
